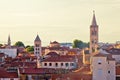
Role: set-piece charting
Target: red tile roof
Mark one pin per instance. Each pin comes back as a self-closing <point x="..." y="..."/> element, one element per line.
<point x="60" y="59"/>
<point x="36" y="71"/>
<point x="53" y="54"/>
<point x="2" y="54"/>
<point x="108" y="56"/>
<point x="57" y="48"/>
<point x="82" y="74"/>
<point x="5" y="74"/>
<point x="25" y="64"/>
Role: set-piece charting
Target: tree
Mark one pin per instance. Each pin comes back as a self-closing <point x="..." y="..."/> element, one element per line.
<point x="1" y="45"/>
<point x="19" y="44"/>
<point x="27" y="46"/>
<point x="79" y="44"/>
<point x="30" y="49"/>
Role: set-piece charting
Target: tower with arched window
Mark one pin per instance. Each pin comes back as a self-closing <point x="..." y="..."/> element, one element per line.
<point x="37" y="46"/>
<point x="93" y="35"/>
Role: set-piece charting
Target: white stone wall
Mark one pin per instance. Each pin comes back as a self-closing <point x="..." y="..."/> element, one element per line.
<point x="10" y="52"/>
<point x="99" y="70"/>
<point x="111" y="70"/>
<point x="59" y="65"/>
<point x="103" y="69"/>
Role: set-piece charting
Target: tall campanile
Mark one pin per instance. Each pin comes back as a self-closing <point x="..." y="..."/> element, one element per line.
<point x="93" y="35"/>
<point x="37" y="47"/>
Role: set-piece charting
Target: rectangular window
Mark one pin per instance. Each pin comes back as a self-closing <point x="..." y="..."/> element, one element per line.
<point x="71" y="64"/>
<point x="66" y="64"/>
<point x="0" y="59"/>
<point x="109" y="72"/>
<point x="92" y="41"/>
<point x="56" y="64"/>
<point x="50" y="64"/>
<point x="92" y="32"/>
<point x="45" y="64"/>
<point x="99" y="62"/>
<point x="61" y="64"/>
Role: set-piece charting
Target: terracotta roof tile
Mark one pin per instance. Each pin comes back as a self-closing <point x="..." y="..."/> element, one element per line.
<point x="36" y="71"/>
<point x="25" y="64"/>
<point x="60" y="59"/>
<point x="53" y="54"/>
<point x="2" y="54"/>
<point x="108" y="56"/>
<point x="5" y="74"/>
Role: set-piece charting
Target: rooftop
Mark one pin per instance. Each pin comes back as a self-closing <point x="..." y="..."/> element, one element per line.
<point x="5" y="74"/>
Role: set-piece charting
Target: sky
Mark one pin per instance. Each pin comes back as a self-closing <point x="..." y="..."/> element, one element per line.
<point x="58" y="20"/>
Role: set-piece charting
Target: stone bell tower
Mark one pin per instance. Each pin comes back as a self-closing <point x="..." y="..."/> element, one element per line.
<point x="93" y="35"/>
<point x="37" y="47"/>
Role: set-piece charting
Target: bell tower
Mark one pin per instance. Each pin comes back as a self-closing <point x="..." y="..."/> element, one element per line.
<point x="37" y="47"/>
<point x="93" y="35"/>
<point x="9" y="42"/>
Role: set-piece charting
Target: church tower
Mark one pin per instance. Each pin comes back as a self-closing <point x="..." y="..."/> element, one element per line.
<point x="93" y="35"/>
<point x="37" y="47"/>
<point x="9" y="42"/>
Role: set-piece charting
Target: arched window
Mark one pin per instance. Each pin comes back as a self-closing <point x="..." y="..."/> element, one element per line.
<point x="61" y="64"/>
<point x="99" y="62"/>
<point x="50" y="64"/>
<point x="56" y="64"/>
<point x="66" y="64"/>
<point x="45" y="64"/>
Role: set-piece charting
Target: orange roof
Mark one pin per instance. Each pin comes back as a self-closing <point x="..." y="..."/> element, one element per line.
<point x="108" y="56"/>
<point x="25" y="64"/>
<point x="36" y="71"/>
<point x="5" y="74"/>
<point x="2" y="54"/>
<point x="60" y="59"/>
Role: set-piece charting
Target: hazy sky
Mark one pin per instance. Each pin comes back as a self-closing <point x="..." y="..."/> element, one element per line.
<point x="60" y="20"/>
